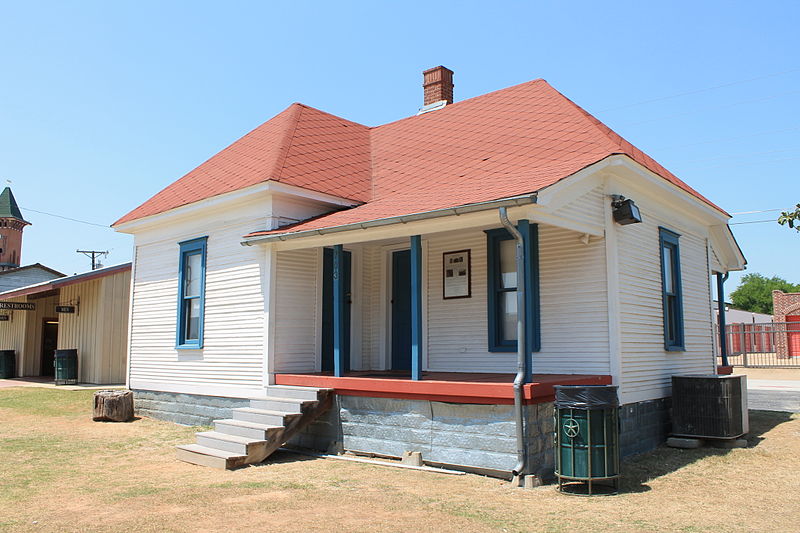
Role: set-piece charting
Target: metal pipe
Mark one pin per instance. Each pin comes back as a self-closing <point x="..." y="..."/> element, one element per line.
<point x="522" y="456"/>
<point x="723" y="337"/>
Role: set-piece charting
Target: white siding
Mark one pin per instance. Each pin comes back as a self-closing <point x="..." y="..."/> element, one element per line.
<point x="646" y="366"/>
<point x="12" y="334"/>
<point x="371" y="305"/>
<point x="573" y="308"/>
<point x="296" y="339"/>
<point x="99" y="330"/>
<point x="587" y="208"/>
<point x="233" y="352"/>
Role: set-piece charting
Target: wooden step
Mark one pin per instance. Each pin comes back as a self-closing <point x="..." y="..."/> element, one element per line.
<point x="285" y="405"/>
<point x="242" y="428"/>
<point x="228" y="443"/>
<point x="204" y="456"/>
<point x="254" y="434"/>
<point x="263" y="416"/>
<point x="289" y="391"/>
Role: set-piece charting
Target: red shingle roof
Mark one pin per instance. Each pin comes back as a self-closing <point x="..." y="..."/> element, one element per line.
<point x="506" y="143"/>
<point x="300" y="146"/>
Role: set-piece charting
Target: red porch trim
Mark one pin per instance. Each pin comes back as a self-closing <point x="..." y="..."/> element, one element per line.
<point x="453" y="387"/>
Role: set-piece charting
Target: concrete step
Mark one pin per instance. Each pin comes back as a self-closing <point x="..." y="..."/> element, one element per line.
<point x="243" y="428"/>
<point x="204" y="456"/>
<point x="288" y="391"/>
<point x="276" y="403"/>
<point x="263" y="416"/>
<point x="228" y="443"/>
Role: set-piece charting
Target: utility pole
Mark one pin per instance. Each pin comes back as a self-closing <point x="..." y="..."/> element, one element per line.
<point x="94" y="254"/>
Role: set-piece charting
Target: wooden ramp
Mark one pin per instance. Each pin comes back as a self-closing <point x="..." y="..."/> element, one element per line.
<point x="255" y="432"/>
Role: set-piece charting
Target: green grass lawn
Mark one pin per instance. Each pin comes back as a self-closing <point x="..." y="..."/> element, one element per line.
<point x="59" y="471"/>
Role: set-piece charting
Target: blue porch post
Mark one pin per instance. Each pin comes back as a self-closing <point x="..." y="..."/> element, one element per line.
<point x="338" y="311"/>
<point x="416" y="307"/>
<point x="530" y="236"/>
<point x="723" y="338"/>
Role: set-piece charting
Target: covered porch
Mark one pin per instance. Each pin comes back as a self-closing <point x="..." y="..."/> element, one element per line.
<point x="428" y="309"/>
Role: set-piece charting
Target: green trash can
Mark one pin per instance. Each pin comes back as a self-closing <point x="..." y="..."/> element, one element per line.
<point x="66" y="367"/>
<point x="587" y="439"/>
<point x="8" y="364"/>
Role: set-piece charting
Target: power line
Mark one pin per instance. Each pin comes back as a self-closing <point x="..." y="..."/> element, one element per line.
<point x="692" y="112"/>
<point x="739" y="155"/>
<point x="94" y="254"/>
<point x="759" y="211"/>
<point x="697" y="91"/>
<point x="752" y="222"/>
<point x="66" y="218"/>
<point x="751" y="163"/>
<point x="723" y="139"/>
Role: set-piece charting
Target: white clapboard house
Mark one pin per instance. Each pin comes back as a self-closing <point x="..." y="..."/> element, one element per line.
<point x="345" y="287"/>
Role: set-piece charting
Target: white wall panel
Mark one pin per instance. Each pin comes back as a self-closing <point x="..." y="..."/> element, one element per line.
<point x="232" y="355"/>
<point x="573" y="308"/>
<point x="646" y="367"/>
<point x="296" y="331"/>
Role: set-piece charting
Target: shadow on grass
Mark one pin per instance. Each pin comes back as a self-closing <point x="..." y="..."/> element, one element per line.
<point x="283" y="456"/>
<point x="112" y="422"/>
<point x="639" y="470"/>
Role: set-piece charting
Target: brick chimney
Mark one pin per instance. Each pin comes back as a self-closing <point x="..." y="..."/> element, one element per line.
<point x="438" y="85"/>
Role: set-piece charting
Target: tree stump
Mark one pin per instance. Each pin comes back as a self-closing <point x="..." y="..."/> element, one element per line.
<point x="113" y="406"/>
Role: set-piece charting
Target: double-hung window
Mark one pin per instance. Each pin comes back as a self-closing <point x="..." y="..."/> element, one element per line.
<point x="502" y="288"/>
<point x="671" y="290"/>
<point x="191" y="293"/>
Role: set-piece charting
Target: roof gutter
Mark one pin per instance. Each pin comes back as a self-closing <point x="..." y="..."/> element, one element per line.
<point x="514" y="201"/>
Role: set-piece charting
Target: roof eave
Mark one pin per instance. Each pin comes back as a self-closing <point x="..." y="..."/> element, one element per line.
<point x="514" y="201"/>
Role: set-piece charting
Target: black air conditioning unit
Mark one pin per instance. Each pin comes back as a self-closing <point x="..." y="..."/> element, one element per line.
<point x="709" y="406"/>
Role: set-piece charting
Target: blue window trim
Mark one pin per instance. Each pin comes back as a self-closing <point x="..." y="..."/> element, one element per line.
<point x="188" y="248"/>
<point x="530" y="234"/>
<point x="670" y="238"/>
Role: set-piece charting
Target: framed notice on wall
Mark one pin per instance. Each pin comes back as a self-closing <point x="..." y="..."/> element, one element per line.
<point x="457" y="281"/>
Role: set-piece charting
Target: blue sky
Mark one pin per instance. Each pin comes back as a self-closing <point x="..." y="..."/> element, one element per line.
<point x="102" y="104"/>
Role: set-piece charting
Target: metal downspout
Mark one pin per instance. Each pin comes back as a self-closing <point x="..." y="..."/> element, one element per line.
<point x="520" y="377"/>
<point x="723" y="340"/>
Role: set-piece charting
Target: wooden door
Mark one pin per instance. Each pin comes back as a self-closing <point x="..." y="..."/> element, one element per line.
<point x="401" y="310"/>
<point x="49" y="343"/>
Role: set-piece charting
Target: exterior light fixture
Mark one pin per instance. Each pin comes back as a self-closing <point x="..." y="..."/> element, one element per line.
<point x="625" y="211"/>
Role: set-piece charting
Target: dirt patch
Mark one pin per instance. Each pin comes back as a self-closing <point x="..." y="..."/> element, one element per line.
<point x="62" y="472"/>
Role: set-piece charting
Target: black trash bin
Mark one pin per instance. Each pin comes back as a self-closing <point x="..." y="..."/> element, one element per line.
<point x="587" y="438"/>
<point x="66" y="367"/>
<point x="8" y="364"/>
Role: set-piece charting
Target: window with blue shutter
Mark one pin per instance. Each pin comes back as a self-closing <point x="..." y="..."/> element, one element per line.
<point x="191" y="293"/>
<point x="671" y="290"/>
<point x="502" y="288"/>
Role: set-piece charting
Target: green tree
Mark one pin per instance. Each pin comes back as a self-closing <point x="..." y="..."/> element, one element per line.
<point x="790" y="218"/>
<point x="754" y="293"/>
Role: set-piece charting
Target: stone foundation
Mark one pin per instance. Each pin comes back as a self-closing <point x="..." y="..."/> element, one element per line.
<point x="187" y="409"/>
<point x="473" y="437"/>
<point x="644" y="425"/>
<point x="478" y="437"/>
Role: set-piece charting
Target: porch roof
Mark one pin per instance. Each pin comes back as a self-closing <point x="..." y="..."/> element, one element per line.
<point x="65" y="281"/>
<point x="452" y="387"/>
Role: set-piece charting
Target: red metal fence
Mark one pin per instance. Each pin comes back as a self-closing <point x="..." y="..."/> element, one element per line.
<point x="773" y="344"/>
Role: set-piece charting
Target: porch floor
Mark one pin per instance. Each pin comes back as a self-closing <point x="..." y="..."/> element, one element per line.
<point x="454" y="387"/>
